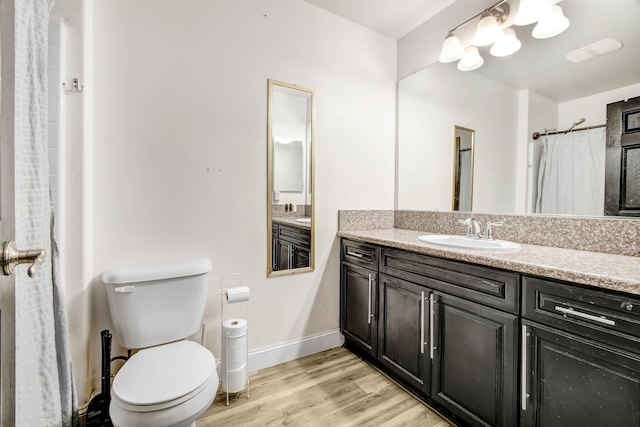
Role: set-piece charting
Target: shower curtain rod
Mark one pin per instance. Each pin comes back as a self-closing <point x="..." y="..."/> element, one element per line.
<point x="537" y="135"/>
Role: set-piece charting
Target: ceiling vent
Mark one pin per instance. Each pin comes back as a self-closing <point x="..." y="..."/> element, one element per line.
<point x="593" y="50"/>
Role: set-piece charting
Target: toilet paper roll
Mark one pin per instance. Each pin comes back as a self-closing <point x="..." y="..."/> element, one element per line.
<point x="234" y="355"/>
<point x="239" y="294"/>
<point x="234" y="328"/>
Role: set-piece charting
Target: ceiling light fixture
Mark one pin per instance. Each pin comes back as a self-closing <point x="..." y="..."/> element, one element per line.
<point x="531" y="11"/>
<point x="507" y="45"/>
<point x="491" y="30"/>
<point x="551" y="24"/>
<point x="471" y="59"/>
<point x="452" y="49"/>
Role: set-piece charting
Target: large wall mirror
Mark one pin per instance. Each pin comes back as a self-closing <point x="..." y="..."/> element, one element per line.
<point x="290" y="182"/>
<point x="505" y="101"/>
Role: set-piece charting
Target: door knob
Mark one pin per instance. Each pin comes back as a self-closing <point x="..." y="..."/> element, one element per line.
<point x="11" y="257"/>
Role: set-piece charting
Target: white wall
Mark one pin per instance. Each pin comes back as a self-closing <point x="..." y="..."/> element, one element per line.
<point x="179" y="146"/>
<point x="594" y="107"/>
<point x="431" y="103"/>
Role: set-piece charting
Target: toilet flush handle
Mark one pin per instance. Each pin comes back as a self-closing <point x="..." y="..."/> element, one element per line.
<point x="125" y="289"/>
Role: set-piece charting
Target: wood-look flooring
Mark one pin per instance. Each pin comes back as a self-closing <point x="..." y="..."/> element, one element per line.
<point x="333" y="389"/>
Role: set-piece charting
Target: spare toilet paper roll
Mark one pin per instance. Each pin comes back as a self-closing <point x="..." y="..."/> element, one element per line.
<point x="234" y="328"/>
<point x="234" y="355"/>
<point x="239" y="294"/>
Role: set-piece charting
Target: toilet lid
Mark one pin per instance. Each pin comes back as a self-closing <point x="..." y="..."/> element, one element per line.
<point x="164" y="373"/>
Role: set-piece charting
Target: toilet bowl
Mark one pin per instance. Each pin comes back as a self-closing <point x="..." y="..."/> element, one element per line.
<point x="170" y="381"/>
<point x="168" y="385"/>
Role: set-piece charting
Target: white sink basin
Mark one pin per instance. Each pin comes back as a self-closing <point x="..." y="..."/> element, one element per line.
<point x="304" y="220"/>
<point x="470" y="243"/>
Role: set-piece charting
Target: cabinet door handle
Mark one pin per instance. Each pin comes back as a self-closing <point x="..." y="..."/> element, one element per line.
<point x="573" y="312"/>
<point x="370" y="315"/>
<point x="355" y="254"/>
<point x="422" y="322"/>
<point x="431" y="326"/>
<point x="523" y="372"/>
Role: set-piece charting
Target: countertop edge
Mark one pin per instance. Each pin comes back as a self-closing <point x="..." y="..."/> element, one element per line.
<point x="619" y="273"/>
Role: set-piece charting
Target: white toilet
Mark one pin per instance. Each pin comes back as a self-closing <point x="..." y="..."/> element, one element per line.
<point x="170" y="381"/>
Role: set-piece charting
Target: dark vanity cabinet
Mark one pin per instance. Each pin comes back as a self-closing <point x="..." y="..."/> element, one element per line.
<point x="580" y="356"/>
<point x="291" y="246"/>
<point x="359" y="295"/>
<point x="489" y="347"/>
<point x="446" y="330"/>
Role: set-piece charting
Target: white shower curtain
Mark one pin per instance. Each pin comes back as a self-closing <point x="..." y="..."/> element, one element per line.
<point x="44" y="390"/>
<point x="571" y="177"/>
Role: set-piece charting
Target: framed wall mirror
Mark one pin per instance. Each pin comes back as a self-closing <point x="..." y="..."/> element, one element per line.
<point x="290" y="178"/>
<point x="463" y="142"/>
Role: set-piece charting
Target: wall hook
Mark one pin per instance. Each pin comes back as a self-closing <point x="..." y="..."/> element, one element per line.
<point x="75" y="87"/>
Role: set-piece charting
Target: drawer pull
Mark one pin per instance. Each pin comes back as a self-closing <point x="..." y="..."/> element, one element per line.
<point x="422" y="322"/>
<point x="431" y="320"/>
<point x="573" y="312"/>
<point x="355" y="254"/>
<point x="524" y="395"/>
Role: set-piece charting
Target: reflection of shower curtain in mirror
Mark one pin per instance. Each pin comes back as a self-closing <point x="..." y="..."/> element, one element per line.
<point x="571" y="177"/>
<point x="465" y="181"/>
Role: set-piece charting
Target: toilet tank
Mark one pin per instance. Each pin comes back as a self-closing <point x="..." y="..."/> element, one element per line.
<point x="154" y="304"/>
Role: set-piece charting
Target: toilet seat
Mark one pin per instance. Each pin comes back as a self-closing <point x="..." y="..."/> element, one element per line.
<point x="160" y="377"/>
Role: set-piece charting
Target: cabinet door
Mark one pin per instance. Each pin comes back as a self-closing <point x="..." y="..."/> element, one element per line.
<point x="574" y="382"/>
<point x="284" y="255"/>
<point x="358" y="307"/>
<point x="403" y="331"/>
<point x="475" y="362"/>
<point x="300" y="257"/>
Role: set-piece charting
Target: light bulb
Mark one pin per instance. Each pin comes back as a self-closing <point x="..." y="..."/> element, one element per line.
<point x="507" y="45"/>
<point x="471" y="59"/>
<point x="551" y="24"/>
<point x="451" y="49"/>
<point x="488" y="30"/>
<point x="531" y="11"/>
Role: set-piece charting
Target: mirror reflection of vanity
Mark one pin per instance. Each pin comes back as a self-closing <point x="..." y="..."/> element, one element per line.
<point x="504" y="102"/>
<point x="290" y="142"/>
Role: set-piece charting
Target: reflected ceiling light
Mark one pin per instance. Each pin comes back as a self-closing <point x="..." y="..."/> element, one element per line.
<point x="493" y="30"/>
<point x="507" y="45"/>
<point x="452" y="49"/>
<point x="488" y="30"/>
<point x="531" y="11"/>
<point x="551" y="24"/>
<point x="471" y="59"/>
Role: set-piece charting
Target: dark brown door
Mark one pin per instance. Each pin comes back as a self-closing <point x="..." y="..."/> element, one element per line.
<point x="475" y="362"/>
<point x="403" y="331"/>
<point x="622" y="170"/>
<point x="578" y="383"/>
<point x="359" y="301"/>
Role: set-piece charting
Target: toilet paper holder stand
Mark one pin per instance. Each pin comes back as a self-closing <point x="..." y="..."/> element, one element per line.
<point x="223" y="293"/>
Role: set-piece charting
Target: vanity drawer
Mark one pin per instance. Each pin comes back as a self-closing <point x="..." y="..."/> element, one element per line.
<point x="613" y="318"/>
<point x="299" y="236"/>
<point x="362" y="254"/>
<point x="485" y="285"/>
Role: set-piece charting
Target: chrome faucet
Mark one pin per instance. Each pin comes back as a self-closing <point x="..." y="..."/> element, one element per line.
<point x="473" y="227"/>
<point x="490" y="226"/>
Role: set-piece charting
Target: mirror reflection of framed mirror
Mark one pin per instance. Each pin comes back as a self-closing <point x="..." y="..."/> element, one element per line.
<point x="463" y="142"/>
<point x="290" y="181"/>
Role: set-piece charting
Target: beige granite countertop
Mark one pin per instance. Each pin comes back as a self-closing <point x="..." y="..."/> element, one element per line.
<point x="601" y="270"/>
<point x="291" y="220"/>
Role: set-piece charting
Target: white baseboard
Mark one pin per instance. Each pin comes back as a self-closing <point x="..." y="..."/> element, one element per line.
<point x="284" y="352"/>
